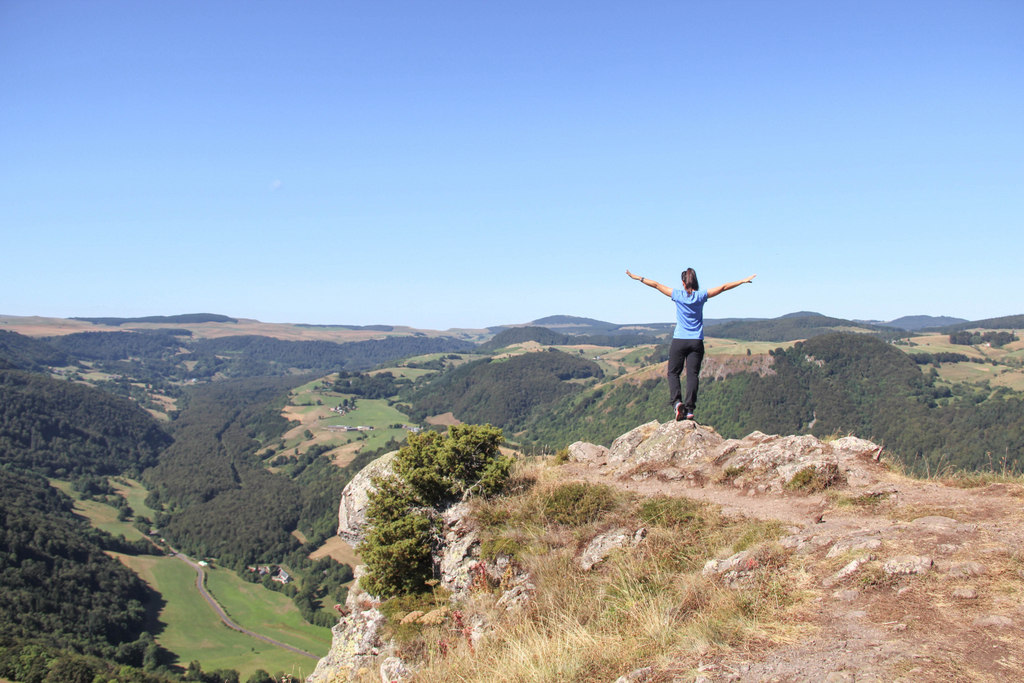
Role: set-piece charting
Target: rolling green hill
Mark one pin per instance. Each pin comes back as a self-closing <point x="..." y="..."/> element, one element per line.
<point x="61" y="429"/>
<point x="502" y="393"/>
<point x="790" y="327"/>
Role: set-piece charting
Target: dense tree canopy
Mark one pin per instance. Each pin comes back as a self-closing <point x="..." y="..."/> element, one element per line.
<point x="838" y="383"/>
<point x="503" y="392"/>
<point x="57" y="580"/>
<point x="62" y="429"/>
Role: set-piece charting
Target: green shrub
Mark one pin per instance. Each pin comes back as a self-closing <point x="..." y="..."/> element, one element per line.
<point x="398" y="542"/>
<point x="440" y="469"/>
<point x="432" y="472"/>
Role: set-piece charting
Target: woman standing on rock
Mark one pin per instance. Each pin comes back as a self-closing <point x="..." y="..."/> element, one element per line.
<point x="688" y="339"/>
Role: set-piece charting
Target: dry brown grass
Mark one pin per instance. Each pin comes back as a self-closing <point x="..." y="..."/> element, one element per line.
<point x="648" y="605"/>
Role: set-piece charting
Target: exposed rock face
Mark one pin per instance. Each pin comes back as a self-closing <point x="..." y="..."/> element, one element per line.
<point x="463" y="570"/>
<point x="735" y="572"/>
<point x="357" y="648"/>
<point x="694" y="453"/>
<point x="459" y="552"/>
<point x="356" y="496"/>
<point x="355" y="643"/>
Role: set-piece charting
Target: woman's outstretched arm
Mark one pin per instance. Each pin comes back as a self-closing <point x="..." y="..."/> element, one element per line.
<point x="667" y="291"/>
<point x="730" y="285"/>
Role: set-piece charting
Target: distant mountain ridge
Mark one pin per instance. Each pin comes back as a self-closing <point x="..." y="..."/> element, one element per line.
<point x="184" y="319"/>
<point x="913" y="323"/>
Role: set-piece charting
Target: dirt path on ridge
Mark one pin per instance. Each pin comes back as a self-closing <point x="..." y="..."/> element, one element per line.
<point x="959" y="617"/>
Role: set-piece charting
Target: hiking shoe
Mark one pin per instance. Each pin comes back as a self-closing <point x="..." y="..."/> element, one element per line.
<point x="679" y="412"/>
<point x="689" y="416"/>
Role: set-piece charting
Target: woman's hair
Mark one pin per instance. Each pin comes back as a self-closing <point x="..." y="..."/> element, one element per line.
<point x="690" y="280"/>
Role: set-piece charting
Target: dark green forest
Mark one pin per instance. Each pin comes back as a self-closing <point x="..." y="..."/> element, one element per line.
<point x="790" y="327"/>
<point x="184" y="319"/>
<point x="59" y="586"/>
<point x="18" y="352"/>
<point x="542" y="335"/>
<point x="838" y="383"/>
<point x="62" y="429"/>
<point x="502" y="392"/>
<point x="163" y="356"/>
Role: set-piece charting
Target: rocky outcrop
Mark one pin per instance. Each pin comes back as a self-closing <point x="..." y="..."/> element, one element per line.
<point x="355" y="643"/>
<point x="357" y="647"/>
<point x="881" y="555"/>
<point x="696" y="454"/>
<point x="356" y="496"/>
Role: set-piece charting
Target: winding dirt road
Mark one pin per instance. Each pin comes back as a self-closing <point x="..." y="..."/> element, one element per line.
<point x="201" y="587"/>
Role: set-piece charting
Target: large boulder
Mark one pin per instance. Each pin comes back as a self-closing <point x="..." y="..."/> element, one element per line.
<point x="356" y="496"/>
<point x="679" y="444"/>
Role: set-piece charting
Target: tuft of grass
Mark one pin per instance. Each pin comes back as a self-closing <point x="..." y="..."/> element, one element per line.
<point x="730" y="474"/>
<point x="873" y="576"/>
<point x="869" y="501"/>
<point x="577" y="503"/>
<point x="759" y="532"/>
<point x="669" y="512"/>
<point x="492" y="548"/>
<point x="814" y="479"/>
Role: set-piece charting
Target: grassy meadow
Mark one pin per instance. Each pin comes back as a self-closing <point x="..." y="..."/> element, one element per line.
<point x="186" y="625"/>
<point x="189" y="628"/>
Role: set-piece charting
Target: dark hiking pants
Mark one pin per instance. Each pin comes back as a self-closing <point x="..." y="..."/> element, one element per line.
<point x="688" y="353"/>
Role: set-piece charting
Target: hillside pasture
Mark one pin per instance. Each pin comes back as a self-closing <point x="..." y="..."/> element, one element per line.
<point x="135" y="493"/>
<point x="310" y="408"/>
<point x="996" y="375"/>
<point x="266" y="612"/>
<point x="935" y="343"/>
<point x="401" y="372"/>
<point x="187" y="626"/>
<point x="100" y="515"/>
<point x="338" y="550"/>
<point x="715" y="346"/>
<point x="374" y="413"/>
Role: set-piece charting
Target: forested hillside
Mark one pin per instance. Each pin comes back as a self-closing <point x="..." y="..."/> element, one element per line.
<point x="224" y="503"/>
<point x="59" y="586"/>
<point x="839" y="383"/>
<point x="547" y="337"/>
<point x="184" y="319"/>
<point x="790" y="327"/>
<point x="18" y="352"/>
<point x="503" y="392"/>
<point x="63" y="429"/>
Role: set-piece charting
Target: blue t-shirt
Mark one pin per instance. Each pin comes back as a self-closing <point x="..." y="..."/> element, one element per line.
<point x="689" y="313"/>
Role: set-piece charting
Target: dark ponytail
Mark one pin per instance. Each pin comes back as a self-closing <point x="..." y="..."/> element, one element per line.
<point x="690" y="280"/>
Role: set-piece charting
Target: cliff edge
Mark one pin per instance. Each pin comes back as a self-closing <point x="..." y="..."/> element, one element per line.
<point x="677" y="555"/>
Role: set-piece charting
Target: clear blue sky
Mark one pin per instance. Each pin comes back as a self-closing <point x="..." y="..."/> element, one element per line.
<point x="463" y="164"/>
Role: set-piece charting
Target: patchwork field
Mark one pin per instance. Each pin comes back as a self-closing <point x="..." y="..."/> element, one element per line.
<point x="311" y="406"/>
